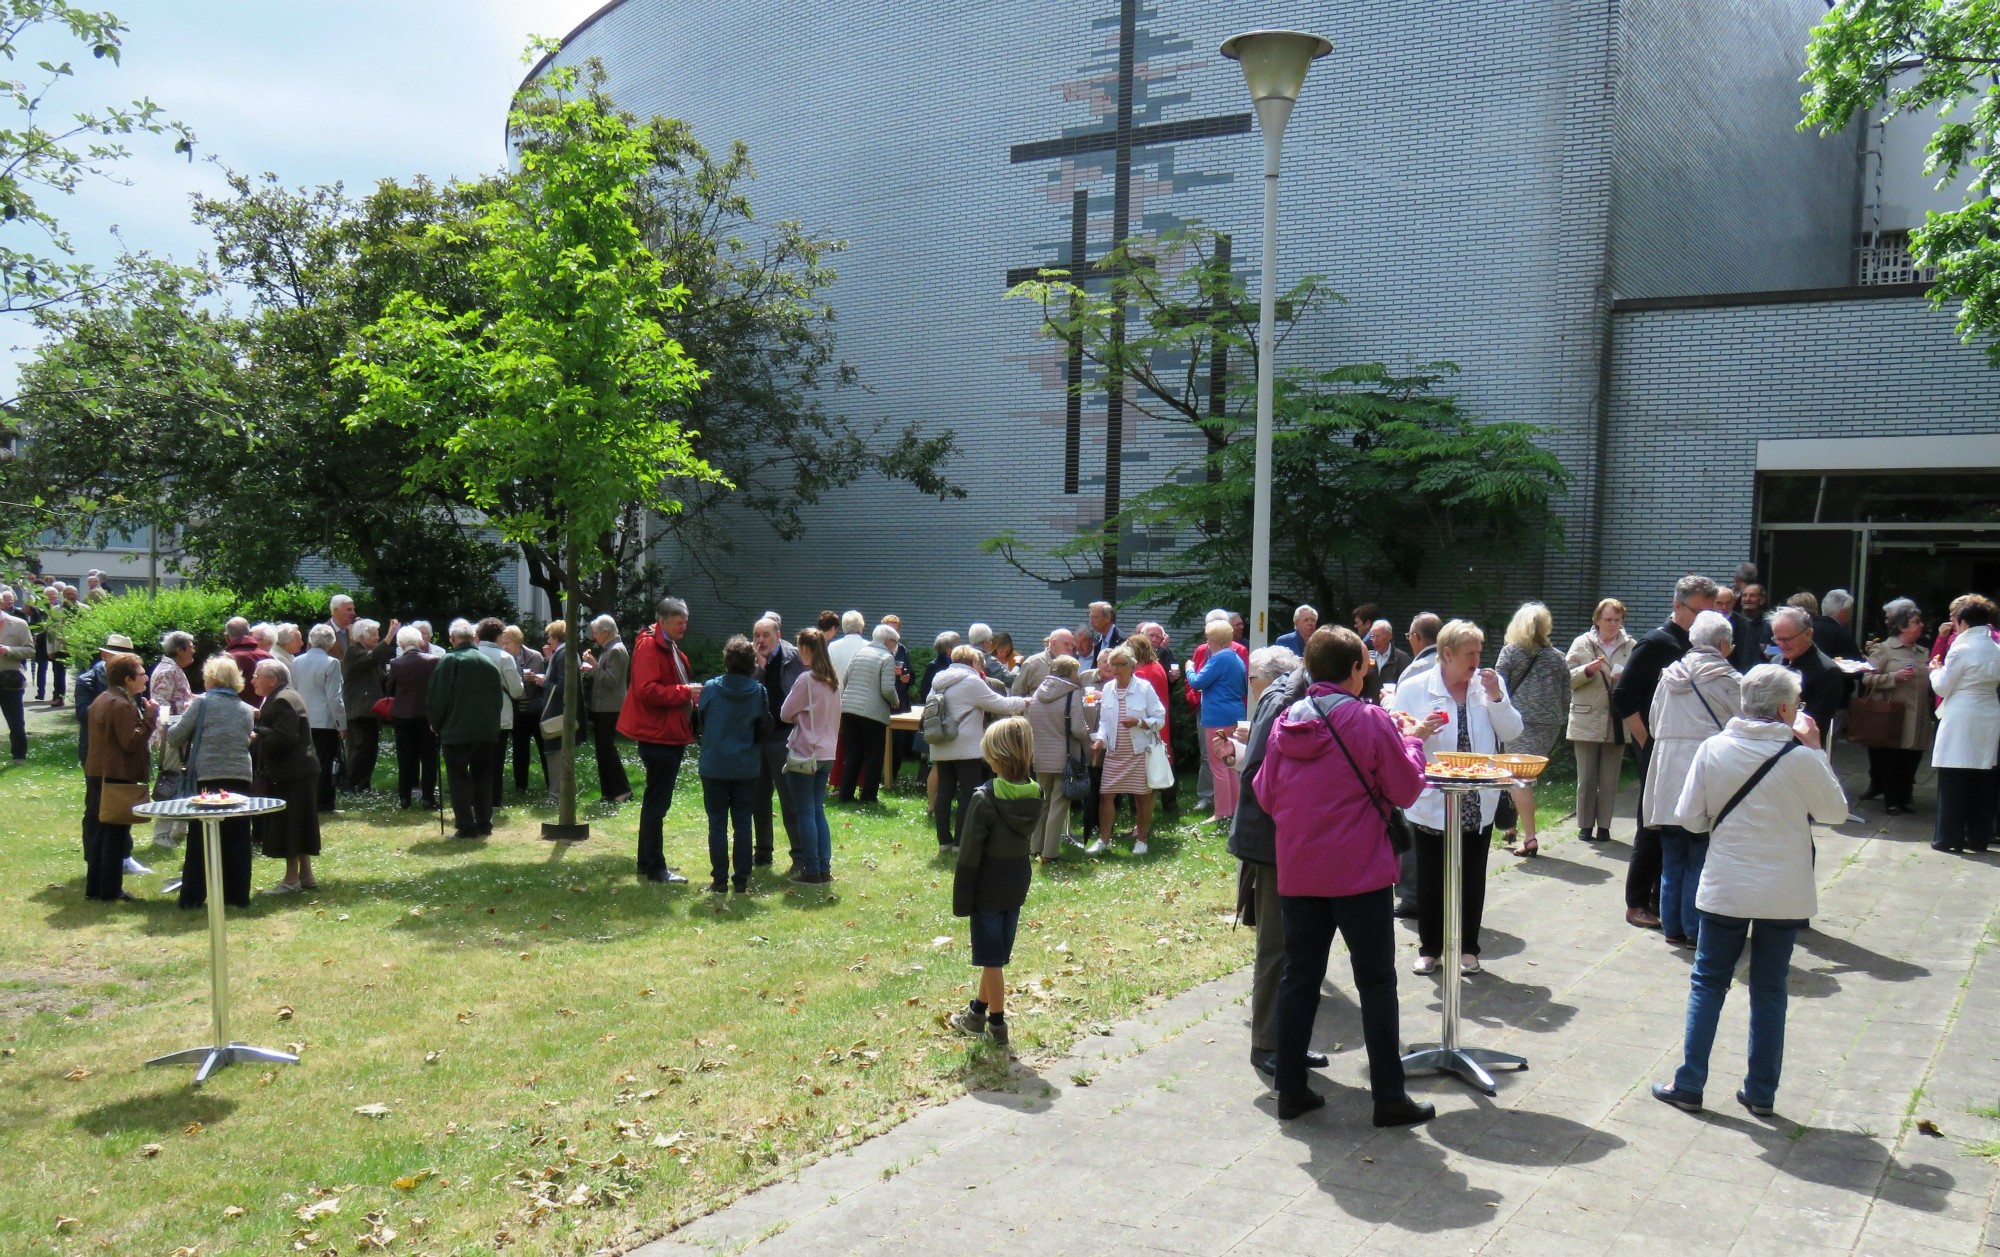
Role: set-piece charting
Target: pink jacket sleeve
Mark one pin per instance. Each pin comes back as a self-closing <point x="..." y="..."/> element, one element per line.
<point x="1400" y="761"/>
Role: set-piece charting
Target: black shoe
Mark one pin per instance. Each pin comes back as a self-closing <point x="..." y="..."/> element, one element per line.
<point x="1761" y="1110"/>
<point x="1406" y="912"/>
<point x="1872" y="794"/>
<point x="1941" y="847"/>
<point x="654" y="875"/>
<point x="1267" y="1062"/>
<point x="1594" y="835"/>
<point x="743" y="887"/>
<point x="823" y="879"/>
<point x="1679" y="1099"/>
<point x="793" y="873"/>
<point x="1403" y="1112"/>
<point x="470" y="835"/>
<point x="718" y="888"/>
<point x="798" y="878"/>
<point x="763" y="861"/>
<point x="1293" y="1104"/>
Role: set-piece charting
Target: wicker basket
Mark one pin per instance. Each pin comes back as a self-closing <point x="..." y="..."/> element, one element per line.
<point x="1525" y="767"/>
<point x="1463" y="759"/>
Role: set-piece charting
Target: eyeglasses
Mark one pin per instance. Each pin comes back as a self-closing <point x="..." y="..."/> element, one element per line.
<point x="1786" y="641"/>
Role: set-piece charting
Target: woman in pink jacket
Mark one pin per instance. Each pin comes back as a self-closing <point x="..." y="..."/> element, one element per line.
<point x="1334" y="768"/>
<point x="812" y="707"/>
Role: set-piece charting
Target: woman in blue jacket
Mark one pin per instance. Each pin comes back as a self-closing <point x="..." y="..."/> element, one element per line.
<point x="733" y="711"/>
<point x="1224" y="684"/>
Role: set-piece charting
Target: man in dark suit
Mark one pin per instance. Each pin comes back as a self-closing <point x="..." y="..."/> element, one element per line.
<point x="1389" y="658"/>
<point x="1632" y="702"/>
<point x="778" y="665"/>
<point x="1833" y="628"/>
<point x="1822" y="685"/>
<point x="1748" y="650"/>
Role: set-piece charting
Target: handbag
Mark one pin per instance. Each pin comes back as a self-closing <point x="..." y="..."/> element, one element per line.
<point x="383" y="709"/>
<point x="1076" y="767"/>
<point x="1401" y="839"/>
<point x="116" y="799"/>
<point x="1159" y="766"/>
<point x="1875" y="721"/>
<point x="797" y="763"/>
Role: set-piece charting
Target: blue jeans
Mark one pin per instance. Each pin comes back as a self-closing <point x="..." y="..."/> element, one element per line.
<point x="1720" y="945"/>
<point x="728" y="800"/>
<point x="1681" y="856"/>
<point x="807" y="793"/>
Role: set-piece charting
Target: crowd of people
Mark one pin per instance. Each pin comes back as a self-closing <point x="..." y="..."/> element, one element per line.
<point x="1312" y="753"/>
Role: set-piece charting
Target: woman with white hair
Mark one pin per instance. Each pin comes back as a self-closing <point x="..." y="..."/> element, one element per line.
<point x="1130" y="718"/>
<point x="1968" y="735"/>
<point x="1061" y="722"/>
<point x="1900" y="661"/>
<point x="867" y="697"/>
<point x="853" y="626"/>
<point x="1223" y="682"/>
<point x="609" y="668"/>
<point x="1754" y="789"/>
<point x="1537" y="678"/>
<point x="1696" y="698"/>
<point x="286" y="768"/>
<point x="316" y="678"/>
<point x="408" y="688"/>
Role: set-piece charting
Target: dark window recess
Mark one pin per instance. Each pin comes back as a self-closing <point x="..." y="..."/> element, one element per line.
<point x="1879" y="498"/>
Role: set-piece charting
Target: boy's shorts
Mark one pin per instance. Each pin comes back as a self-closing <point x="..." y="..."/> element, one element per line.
<point x="993" y="937"/>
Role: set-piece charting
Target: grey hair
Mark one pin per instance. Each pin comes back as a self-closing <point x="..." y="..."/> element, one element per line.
<point x="1796" y="616"/>
<point x="1103" y="606"/>
<point x="409" y="637"/>
<point x="461" y="630"/>
<point x="774" y="618"/>
<point x="670" y="609"/>
<point x="363" y="630"/>
<point x="1384" y="625"/>
<point x="288" y="633"/>
<point x="1899" y="612"/>
<point x="945" y="641"/>
<point x="977" y="635"/>
<point x="422" y="626"/>
<point x="176" y="641"/>
<point x="1272" y="662"/>
<point x="1766" y="689"/>
<point x="1692" y="586"/>
<point x="777" y="625"/>
<point x="1305" y="608"/>
<point x="266" y="635"/>
<point x="276" y="668"/>
<point x="1213" y="616"/>
<point x="603" y="624"/>
<point x="852" y="621"/>
<point x="321" y="636"/>
<point x="1835" y="602"/>
<point x="886" y="635"/>
<point x="338" y="601"/>
<point x="1711" y="630"/>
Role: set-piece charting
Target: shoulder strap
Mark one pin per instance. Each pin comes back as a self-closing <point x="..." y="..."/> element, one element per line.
<point x="1326" y="717"/>
<point x="1696" y="687"/>
<point x="1744" y="790"/>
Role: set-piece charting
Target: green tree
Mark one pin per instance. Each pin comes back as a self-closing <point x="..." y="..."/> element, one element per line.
<point x="37" y="158"/>
<point x="1934" y="56"/>
<point x="551" y="406"/>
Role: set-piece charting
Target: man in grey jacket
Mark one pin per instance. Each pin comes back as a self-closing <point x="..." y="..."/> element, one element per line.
<point x="511" y="687"/>
<point x="867" y="696"/>
<point x="361" y="669"/>
<point x="1035" y="668"/>
<point x="317" y="678"/>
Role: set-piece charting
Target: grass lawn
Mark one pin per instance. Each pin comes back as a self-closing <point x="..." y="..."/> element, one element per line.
<point x="569" y="1059"/>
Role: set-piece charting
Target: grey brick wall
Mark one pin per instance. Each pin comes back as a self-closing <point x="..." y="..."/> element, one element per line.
<point x="1696" y="389"/>
<point x="1717" y="191"/>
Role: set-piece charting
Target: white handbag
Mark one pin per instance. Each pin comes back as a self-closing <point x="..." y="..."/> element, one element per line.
<point x="1159" y="766"/>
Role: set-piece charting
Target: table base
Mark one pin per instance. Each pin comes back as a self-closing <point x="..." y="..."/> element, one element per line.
<point x="1469" y="1064"/>
<point x="215" y="1058"/>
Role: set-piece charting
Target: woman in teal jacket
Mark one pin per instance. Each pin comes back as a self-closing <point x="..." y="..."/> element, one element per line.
<point x="733" y="710"/>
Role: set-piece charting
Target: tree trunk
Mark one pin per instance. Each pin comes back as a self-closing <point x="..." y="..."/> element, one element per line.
<point x="572" y="692"/>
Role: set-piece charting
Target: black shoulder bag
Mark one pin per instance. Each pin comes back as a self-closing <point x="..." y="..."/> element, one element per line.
<point x="1696" y="687"/>
<point x="1401" y="839"/>
<point x="1744" y="790"/>
<point x="1076" y="766"/>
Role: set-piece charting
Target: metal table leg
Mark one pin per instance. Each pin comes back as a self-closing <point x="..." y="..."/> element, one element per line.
<point x="1448" y="1056"/>
<point x="221" y="1052"/>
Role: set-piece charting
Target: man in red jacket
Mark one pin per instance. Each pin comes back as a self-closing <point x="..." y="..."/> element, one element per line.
<point x="659" y="715"/>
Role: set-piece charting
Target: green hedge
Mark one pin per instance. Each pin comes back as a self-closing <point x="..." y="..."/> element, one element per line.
<point x="198" y="609"/>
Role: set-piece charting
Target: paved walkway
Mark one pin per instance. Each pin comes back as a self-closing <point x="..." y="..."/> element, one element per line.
<point x="1172" y="1147"/>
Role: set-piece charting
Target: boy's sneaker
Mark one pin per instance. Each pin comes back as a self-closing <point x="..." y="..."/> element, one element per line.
<point x="996" y="1032"/>
<point x="965" y="1021"/>
<point x="718" y="887"/>
<point x="1138" y="848"/>
<point x="1097" y="848"/>
<point x="799" y="877"/>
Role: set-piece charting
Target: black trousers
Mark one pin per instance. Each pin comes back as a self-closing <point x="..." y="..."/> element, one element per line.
<point x="957" y="779"/>
<point x="416" y="760"/>
<point x="861" y="751"/>
<point x="1968" y="799"/>
<point x="236" y="857"/>
<point x="770" y="773"/>
<point x="1642" y="875"/>
<point x="1368" y="923"/>
<point x="902" y="749"/>
<point x="104" y="847"/>
<point x="56" y="666"/>
<point x="527" y="736"/>
<point x="496" y="770"/>
<point x="326" y="745"/>
<point x="1893" y="771"/>
<point x="364" y="744"/>
<point x="13" y="696"/>
<point x="611" y="780"/>
<point x="1430" y="889"/>
<point x="468" y="770"/>
<point x="663" y="768"/>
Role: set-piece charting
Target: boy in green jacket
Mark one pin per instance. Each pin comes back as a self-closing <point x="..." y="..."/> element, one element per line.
<point x="994" y="868"/>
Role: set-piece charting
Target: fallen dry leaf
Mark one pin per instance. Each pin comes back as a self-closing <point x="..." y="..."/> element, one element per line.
<point x="1928" y="1127"/>
<point x="193" y="1128"/>
<point x="409" y="1182"/>
<point x="284" y="1012"/>
<point x="372" y="1110"/>
<point x="317" y="1209"/>
<point x="77" y="1075"/>
<point x="432" y="1058"/>
<point x="232" y="1211"/>
<point x="150" y="1150"/>
<point x="63" y="1224"/>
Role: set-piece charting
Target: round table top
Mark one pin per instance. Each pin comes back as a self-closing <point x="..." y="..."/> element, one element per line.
<point x="185" y="809"/>
<point x="1462" y="785"/>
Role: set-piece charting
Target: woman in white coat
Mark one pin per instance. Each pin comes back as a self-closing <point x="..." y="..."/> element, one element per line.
<point x="968" y="702"/>
<point x="1459" y="706"/>
<point x="1697" y="697"/>
<point x="1129" y="720"/>
<point x="1968" y="736"/>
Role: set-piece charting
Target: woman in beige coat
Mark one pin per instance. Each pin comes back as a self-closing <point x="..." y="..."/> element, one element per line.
<point x="1900" y="663"/>
<point x="1596" y="660"/>
<point x="1062" y="723"/>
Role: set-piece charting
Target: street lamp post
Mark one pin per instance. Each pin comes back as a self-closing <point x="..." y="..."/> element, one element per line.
<point x="1274" y="65"/>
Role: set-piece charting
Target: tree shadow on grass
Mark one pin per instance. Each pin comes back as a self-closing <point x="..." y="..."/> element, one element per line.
<point x="160" y="1112"/>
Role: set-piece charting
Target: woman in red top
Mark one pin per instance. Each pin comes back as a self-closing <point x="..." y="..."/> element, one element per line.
<point x="1152" y="671"/>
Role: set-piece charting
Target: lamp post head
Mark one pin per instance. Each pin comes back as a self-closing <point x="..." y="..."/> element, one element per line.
<point x="1275" y="62"/>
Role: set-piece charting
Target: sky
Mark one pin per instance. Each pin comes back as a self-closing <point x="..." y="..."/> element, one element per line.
<point x="315" y="91"/>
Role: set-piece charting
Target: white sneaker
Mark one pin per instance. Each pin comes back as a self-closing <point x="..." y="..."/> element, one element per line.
<point x="1138" y="848"/>
<point x="1468" y="964"/>
<point x="135" y="868"/>
<point x="1425" y="964"/>
<point x="1097" y="848"/>
<point x="282" y="888"/>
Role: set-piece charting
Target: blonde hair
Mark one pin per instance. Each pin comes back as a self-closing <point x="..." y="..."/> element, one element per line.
<point x="1142" y="651"/>
<point x="221" y="673"/>
<point x="1459" y="633"/>
<point x="1118" y="656"/>
<point x="968" y="655"/>
<point x="1009" y="747"/>
<point x="1219" y="633"/>
<point x="1530" y="627"/>
<point x="1064" y="666"/>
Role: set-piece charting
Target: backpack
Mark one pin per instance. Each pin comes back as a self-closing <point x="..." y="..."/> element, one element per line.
<point x="938" y="724"/>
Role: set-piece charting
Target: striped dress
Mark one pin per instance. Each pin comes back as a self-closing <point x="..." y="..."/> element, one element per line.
<point x="1124" y="767"/>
